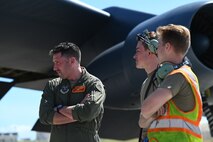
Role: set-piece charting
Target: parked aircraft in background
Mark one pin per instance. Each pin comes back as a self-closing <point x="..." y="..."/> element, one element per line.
<point x="30" y="28"/>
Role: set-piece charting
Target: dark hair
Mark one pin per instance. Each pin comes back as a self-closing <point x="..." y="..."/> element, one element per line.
<point x="67" y="49"/>
<point x="148" y="35"/>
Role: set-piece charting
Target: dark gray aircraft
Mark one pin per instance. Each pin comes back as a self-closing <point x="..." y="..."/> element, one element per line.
<point x="30" y="28"/>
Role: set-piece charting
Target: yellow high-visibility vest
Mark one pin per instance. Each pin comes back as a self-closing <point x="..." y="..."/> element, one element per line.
<point x="176" y="125"/>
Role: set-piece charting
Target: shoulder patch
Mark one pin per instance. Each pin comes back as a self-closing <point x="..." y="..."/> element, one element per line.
<point x="64" y="89"/>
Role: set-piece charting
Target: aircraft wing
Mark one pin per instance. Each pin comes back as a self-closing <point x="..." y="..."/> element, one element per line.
<point x="116" y="68"/>
<point x="30" y="28"/>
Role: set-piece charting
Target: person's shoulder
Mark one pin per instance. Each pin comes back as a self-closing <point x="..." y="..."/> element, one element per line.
<point x="177" y="78"/>
<point x="55" y="81"/>
<point x="94" y="78"/>
<point x="91" y="77"/>
<point x="177" y="75"/>
<point x="58" y="79"/>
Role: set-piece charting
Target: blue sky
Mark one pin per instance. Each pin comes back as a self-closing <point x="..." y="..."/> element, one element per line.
<point x="19" y="111"/>
<point x="19" y="107"/>
<point x="150" y="6"/>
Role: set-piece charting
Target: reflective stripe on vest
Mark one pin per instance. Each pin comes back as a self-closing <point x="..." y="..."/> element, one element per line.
<point x="176" y="120"/>
<point x="175" y="123"/>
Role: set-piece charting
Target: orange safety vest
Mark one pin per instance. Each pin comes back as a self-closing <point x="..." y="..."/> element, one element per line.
<point x="176" y="125"/>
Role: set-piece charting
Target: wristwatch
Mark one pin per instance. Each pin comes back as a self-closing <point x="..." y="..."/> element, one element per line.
<point x="59" y="107"/>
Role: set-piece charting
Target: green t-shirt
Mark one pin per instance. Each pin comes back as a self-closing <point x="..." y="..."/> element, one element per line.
<point x="151" y="84"/>
<point x="181" y="91"/>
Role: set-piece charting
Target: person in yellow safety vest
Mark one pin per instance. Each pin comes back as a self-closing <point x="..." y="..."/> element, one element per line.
<point x="178" y="92"/>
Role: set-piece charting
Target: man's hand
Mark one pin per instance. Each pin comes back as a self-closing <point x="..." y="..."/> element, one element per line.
<point x="57" y="108"/>
<point x="86" y="98"/>
<point x="144" y="123"/>
<point x="161" y="111"/>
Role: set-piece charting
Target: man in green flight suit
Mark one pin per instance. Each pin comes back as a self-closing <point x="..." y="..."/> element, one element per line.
<point x="72" y="103"/>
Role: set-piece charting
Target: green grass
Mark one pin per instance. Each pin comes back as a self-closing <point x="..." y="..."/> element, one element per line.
<point x="109" y="140"/>
<point x="102" y="140"/>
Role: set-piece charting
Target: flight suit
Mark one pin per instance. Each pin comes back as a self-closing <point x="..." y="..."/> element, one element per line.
<point x="88" y="113"/>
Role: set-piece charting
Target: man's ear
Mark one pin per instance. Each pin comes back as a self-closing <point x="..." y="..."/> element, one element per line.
<point x="168" y="46"/>
<point x="72" y="60"/>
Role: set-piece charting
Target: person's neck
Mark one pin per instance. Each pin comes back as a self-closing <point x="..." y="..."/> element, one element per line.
<point x="176" y="61"/>
<point x="76" y="75"/>
<point x="151" y="68"/>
